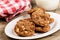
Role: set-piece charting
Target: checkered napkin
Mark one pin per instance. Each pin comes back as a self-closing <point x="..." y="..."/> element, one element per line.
<point x="10" y="8"/>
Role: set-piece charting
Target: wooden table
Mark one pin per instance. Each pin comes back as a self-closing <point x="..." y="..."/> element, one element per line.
<point x="55" y="36"/>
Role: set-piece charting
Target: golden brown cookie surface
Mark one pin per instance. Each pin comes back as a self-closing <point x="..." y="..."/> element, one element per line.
<point x="42" y="29"/>
<point x="25" y="28"/>
<point x="35" y="9"/>
<point x="40" y="18"/>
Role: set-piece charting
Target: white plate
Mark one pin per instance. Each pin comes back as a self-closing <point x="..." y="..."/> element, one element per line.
<point x="55" y="26"/>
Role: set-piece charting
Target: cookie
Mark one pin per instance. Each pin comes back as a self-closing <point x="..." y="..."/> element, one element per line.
<point x="42" y="29"/>
<point x="35" y="9"/>
<point x="40" y="18"/>
<point x="25" y="28"/>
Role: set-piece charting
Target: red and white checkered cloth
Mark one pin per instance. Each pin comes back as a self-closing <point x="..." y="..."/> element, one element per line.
<point x="10" y="8"/>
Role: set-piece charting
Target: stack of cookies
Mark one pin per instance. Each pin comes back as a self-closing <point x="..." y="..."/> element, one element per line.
<point x="39" y="22"/>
